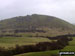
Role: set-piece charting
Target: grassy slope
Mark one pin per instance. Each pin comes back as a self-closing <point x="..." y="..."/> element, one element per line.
<point x="70" y="47"/>
<point x="54" y="26"/>
<point x="12" y="41"/>
<point x="35" y="21"/>
<point x="45" y="53"/>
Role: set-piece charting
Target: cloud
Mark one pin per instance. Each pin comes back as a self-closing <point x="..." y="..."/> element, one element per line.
<point x="64" y="9"/>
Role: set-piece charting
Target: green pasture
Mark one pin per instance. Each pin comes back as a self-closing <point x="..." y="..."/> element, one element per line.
<point x="12" y="41"/>
<point x="70" y="47"/>
<point x="44" y="53"/>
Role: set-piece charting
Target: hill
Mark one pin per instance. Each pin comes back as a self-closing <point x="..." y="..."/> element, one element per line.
<point x="35" y="23"/>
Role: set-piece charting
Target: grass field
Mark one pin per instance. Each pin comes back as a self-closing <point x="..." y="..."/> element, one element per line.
<point x="12" y="41"/>
<point x="70" y="47"/>
<point x="45" y="53"/>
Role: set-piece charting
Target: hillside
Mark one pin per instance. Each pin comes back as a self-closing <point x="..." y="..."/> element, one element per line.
<point x="34" y="22"/>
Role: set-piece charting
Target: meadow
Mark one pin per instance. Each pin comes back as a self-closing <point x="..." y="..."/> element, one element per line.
<point x="70" y="47"/>
<point x="12" y="41"/>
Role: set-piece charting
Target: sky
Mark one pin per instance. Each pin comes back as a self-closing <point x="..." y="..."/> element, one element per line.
<point x="64" y="9"/>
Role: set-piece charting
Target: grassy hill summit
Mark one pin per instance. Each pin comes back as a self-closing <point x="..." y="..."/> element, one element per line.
<point x="35" y="22"/>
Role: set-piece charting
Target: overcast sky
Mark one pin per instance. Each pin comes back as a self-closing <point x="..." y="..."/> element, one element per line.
<point x="64" y="9"/>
